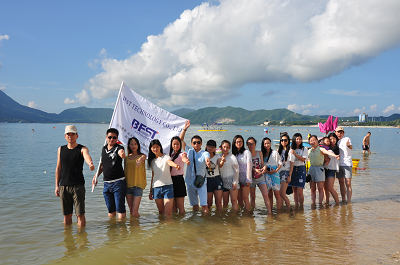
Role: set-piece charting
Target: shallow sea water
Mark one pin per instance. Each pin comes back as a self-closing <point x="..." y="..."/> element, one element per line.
<point x="31" y="229"/>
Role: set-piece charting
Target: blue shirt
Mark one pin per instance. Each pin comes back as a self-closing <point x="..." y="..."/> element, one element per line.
<point x="201" y="167"/>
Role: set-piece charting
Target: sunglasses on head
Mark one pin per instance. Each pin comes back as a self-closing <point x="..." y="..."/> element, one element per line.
<point x="196" y="142"/>
<point x="112" y="137"/>
<point x="284" y="140"/>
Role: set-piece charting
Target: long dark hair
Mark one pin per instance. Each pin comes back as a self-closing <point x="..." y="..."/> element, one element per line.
<point x="235" y="151"/>
<point x="264" y="150"/>
<point x="171" y="150"/>
<point x="151" y="154"/>
<point x="294" y="145"/>
<point x="335" y="136"/>
<point x="137" y="142"/>
<point x="280" y="149"/>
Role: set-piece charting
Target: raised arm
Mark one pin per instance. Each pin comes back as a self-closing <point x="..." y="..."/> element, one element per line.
<point x="325" y="152"/>
<point x="183" y="133"/>
<point x="173" y="164"/>
<point x="141" y="159"/>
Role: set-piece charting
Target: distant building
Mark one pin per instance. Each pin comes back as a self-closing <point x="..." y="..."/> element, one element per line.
<point x="363" y="117"/>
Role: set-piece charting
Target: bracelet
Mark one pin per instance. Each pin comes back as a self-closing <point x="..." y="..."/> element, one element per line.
<point x="185" y="129"/>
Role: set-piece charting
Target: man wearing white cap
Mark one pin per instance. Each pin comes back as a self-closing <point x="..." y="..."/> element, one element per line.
<point x="70" y="183"/>
<point x="345" y="165"/>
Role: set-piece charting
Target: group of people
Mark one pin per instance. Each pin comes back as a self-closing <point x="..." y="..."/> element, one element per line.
<point x="228" y="172"/>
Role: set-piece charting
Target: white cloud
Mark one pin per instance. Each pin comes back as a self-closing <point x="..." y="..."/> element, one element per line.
<point x="2" y="88"/>
<point x="373" y="108"/>
<point x="32" y="104"/>
<point x="216" y="49"/>
<point x="306" y="112"/>
<point x="4" y="37"/>
<point x="389" y="109"/>
<point x="69" y="101"/>
<point x="295" y="107"/>
<point x="351" y="93"/>
<point x="357" y="112"/>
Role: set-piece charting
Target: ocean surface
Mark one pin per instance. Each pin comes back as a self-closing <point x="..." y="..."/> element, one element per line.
<point x="31" y="229"/>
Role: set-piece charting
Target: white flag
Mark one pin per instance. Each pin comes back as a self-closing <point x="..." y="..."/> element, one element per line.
<point x="135" y="116"/>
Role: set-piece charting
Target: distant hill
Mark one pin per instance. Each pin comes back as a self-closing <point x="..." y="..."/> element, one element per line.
<point x="12" y="111"/>
<point x="183" y="111"/>
<point x="240" y="116"/>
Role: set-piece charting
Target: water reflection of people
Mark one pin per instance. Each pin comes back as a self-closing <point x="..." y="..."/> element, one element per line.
<point x="75" y="242"/>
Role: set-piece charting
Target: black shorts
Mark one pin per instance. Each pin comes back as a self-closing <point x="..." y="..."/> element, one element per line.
<point x="73" y="196"/>
<point x="365" y="147"/>
<point x="179" y="186"/>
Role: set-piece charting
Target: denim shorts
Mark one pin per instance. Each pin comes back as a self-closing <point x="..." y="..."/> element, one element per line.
<point x="114" y="195"/>
<point x="298" y="177"/>
<point x="284" y="174"/>
<point x="214" y="183"/>
<point x="344" y="172"/>
<point x="135" y="191"/>
<point x="163" y="192"/>
<point x="317" y="173"/>
<point x="329" y="173"/>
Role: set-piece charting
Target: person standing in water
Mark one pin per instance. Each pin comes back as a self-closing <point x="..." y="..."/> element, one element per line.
<point x="70" y="183"/>
<point x="345" y="165"/>
<point x="366" y="143"/>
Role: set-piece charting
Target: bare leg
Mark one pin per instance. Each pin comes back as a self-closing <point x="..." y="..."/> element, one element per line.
<point x="168" y="203"/>
<point x="313" y="192"/>
<point x="112" y="215"/>
<point x="271" y="197"/>
<point x="218" y="199"/>
<point x="278" y="199"/>
<point x="81" y="220"/>
<point x="129" y="200"/>
<point x="180" y="204"/>
<point x="68" y="219"/>
<point x="331" y="189"/>
<point x="253" y="197"/>
<point x="210" y="199"/>
<point x="245" y="196"/>
<point x="349" y="190"/>
<point x="225" y="198"/>
<point x="196" y="208"/>
<point x="342" y="189"/>
<point x="295" y="196"/>
<point x="234" y="194"/>
<point x="240" y="198"/>
<point x="135" y="207"/>
<point x="326" y="190"/>
<point x="174" y="206"/>
<point x="160" y="206"/>
<point x="284" y="197"/>
<point x="121" y="216"/>
<point x="320" y="186"/>
<point x="300" y="196"/>
<point x="264" y="192"/>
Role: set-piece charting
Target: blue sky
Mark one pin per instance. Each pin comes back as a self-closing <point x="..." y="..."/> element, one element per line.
<point x="312" y="57"/>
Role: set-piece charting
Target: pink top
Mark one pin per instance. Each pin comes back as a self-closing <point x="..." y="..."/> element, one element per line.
<point x="178" y="161"/>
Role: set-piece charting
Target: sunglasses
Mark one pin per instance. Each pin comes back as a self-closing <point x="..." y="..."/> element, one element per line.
<point x="112" y="137"/>
<point x="250" y="144"/>
<point x="196" y="142"/>
<point x="284" y="140"/>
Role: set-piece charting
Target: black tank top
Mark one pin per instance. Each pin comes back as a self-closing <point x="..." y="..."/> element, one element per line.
<point x="71" y="166"/>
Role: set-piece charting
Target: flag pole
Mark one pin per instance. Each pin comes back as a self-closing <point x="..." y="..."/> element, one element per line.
<point x="105" y="141"/>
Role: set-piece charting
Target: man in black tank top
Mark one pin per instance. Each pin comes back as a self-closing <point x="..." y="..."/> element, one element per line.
<point x="70" y="183"/>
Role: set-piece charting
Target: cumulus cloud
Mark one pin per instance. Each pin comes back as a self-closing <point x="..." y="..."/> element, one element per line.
<point x="373" y="108"/>
<point x="216" y="49"/>
<point x="351" y="93"/>
<point x="295" y="107"/>
<point x="389" y="109"/>
<point x="81" y="97"/>
<point x="2" y="88"/>
<point x="32" y="104"/>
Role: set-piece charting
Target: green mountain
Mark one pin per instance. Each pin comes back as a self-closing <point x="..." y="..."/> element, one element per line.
<point x="12" y="111"/>
<point x="240" y="116"/>
<point x="182" y="111"/>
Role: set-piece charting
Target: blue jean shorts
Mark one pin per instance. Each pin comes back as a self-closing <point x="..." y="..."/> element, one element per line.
<point x="317" y="173"/>
<point x="298" y="177"/>
<point x="114" y="195"/>
<point x="330" y="173"/>
<point x="163" y="192"/>
<point x="135" y="191"/>
<point x="214" y="183"/>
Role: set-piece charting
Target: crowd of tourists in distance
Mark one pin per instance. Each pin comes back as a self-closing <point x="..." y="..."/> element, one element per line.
<point x="221" y="173"/>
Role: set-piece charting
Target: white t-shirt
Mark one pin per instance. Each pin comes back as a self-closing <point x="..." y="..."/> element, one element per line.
<point x="301" y="152"/>
<point x="345" y="152"/>
<point x="274" y="160"/>
<point x="333" y="162"/>
<point x="245" y="166"/>
<point x="230" y="171"/>
<point x="213" y="171"/>
<point x="162" y="171"/>
<point x="286" y="163"/>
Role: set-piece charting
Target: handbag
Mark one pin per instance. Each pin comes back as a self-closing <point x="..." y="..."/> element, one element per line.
<point x="199" y="180"/>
